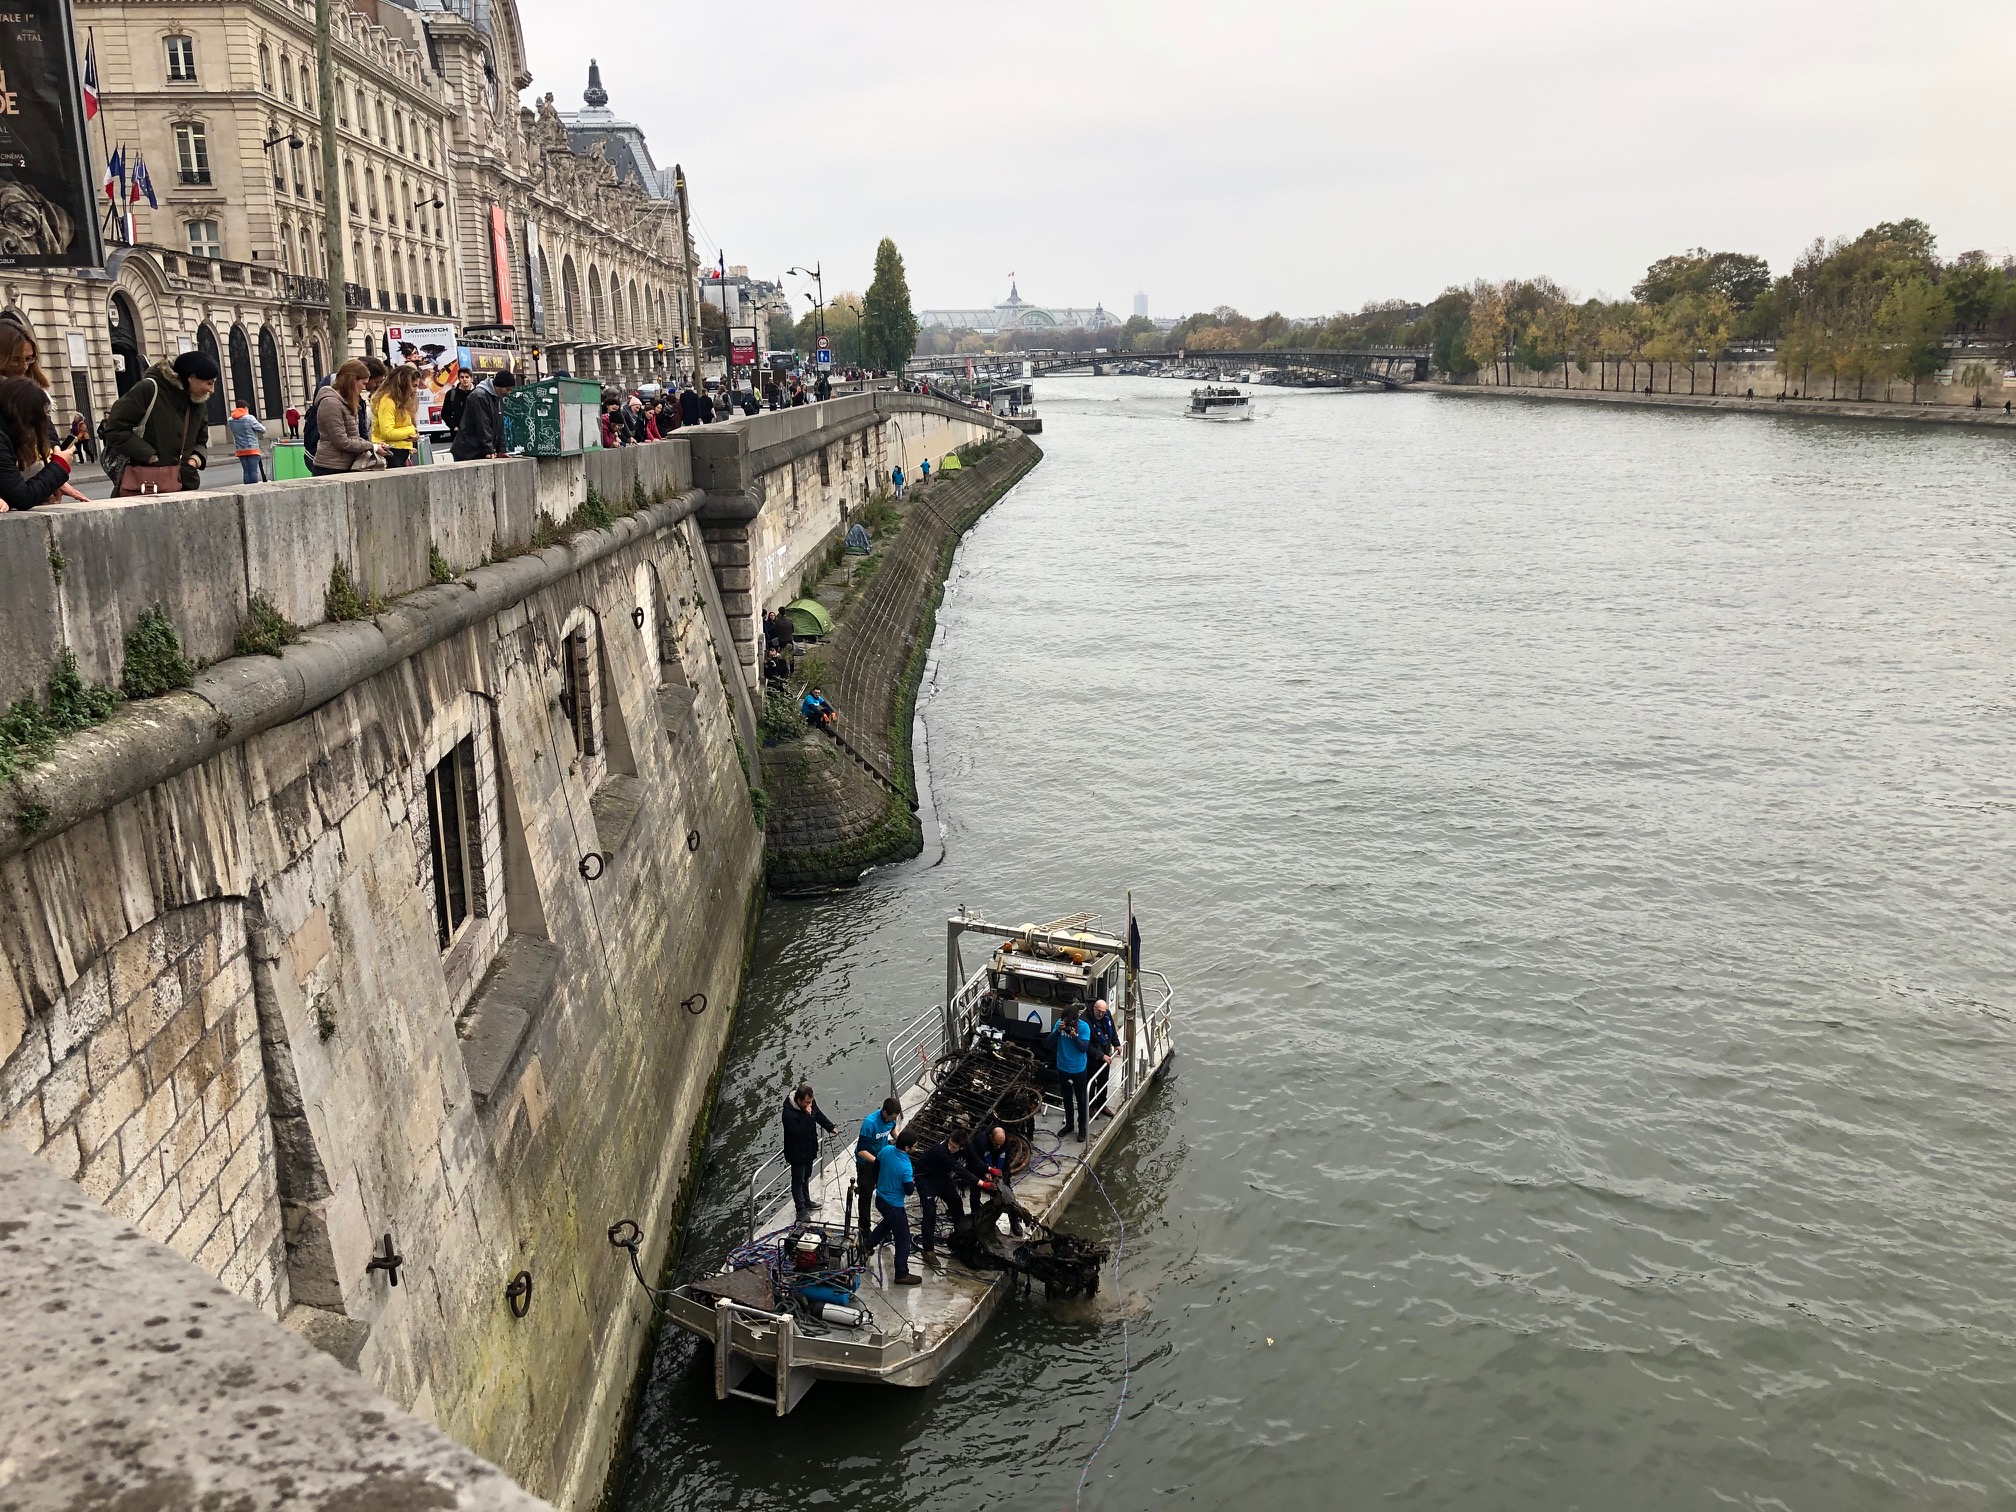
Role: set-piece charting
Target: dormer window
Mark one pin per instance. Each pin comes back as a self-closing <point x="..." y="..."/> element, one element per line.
<point x="181" y="60"/>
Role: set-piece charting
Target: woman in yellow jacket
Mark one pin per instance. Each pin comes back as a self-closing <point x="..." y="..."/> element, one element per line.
<point x="392" y="416"/>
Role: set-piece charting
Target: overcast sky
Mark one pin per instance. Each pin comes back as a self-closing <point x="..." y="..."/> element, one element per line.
<point x="1300" y="157"/>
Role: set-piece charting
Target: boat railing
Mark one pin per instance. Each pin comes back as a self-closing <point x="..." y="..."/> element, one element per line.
<point x="766" y="1188"/>
<point x="913" y="1048"/>
<point x="1156" y="1010"/>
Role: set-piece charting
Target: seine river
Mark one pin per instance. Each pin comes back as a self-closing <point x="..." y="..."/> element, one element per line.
<point x="1585" y="845"/>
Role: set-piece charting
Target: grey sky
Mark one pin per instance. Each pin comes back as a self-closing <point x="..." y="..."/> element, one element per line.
<point x="1299" y="157"/>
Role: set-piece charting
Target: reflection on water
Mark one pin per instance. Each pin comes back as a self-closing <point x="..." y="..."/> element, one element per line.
<point x="1584" y="843"/>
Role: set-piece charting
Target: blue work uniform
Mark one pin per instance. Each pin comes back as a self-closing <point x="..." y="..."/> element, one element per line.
<point x="892" y="1185"/>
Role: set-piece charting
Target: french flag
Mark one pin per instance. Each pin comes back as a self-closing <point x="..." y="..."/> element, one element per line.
<point x="90" y="78"/>
<point x="115" y="174"/>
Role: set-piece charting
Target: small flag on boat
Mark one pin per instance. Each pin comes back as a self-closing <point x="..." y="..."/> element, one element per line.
<point x="90" y="77"/>
<point x="1134" y="942"/>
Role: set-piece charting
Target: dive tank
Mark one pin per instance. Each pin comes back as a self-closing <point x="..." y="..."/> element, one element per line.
<point x="843" y="1317"/>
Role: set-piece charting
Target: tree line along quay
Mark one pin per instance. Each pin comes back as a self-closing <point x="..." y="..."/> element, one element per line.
<point x="1877" y="316"/>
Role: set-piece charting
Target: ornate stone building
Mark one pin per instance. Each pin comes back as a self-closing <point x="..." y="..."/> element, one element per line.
<point x="446" y="183"/>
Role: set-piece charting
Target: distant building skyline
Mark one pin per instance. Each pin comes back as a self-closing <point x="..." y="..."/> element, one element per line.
<point x="1016" y="314"/>
<point x="1141" y="304"/>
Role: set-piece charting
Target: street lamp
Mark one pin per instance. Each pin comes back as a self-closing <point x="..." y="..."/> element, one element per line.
<point x="274" y="141"/>
<point x="818" y="304"/>
<point x="434" y="200"/>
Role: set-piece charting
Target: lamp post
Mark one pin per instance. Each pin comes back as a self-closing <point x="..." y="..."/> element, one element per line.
<point x="332" y="223"/>
<point x="819" y="304"/>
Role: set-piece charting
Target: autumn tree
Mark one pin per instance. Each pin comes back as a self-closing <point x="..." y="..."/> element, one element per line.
<point x="888" y="324"/>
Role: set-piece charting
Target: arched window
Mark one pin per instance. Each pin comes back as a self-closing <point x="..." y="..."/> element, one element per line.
<point x="371" y="190"/>
<point x="206" y="343"/>
<point x="241" y="370"/>
<point x="406" y="202"/>
<point x="265" y="68"/>
<point x="307" y="89"/>
<point x="570" y="295"/>
<point x="441" y="269"/>
<point x="192" y="152"/>
<point x="636" y="323"/>
<point x="286" y="246"/>
<point x="181" y="59"/>
<point x="598" y="317"/>
<point x="129" y="360"/>
<point x="269" y="374"/>
<point x="616" y="322"/>
<point x="286" y="77"/>
<point x="350" y="184"/>
<point x="308" y="258"/>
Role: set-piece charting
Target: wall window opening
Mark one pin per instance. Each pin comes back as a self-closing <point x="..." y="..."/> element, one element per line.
<point x="451" y="817"/>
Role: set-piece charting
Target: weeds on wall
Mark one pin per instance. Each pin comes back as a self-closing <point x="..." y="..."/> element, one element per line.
<point x="265" y="629"/>
<point x="759" y="806"/>
<point x="29" y="731"/>
<point x="780" y="720"/>
<point x="58" y="563"/>
<point x="437" y="565"/>
<point x="344" y="600"/>
<point x="154" y="660"/>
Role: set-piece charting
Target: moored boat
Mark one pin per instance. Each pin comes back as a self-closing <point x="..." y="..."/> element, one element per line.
<point x="801" y="1301"/>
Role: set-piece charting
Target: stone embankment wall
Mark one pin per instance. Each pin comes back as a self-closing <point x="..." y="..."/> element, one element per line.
<point x="1948" y="389"/>
<point x="829" y="818"/>
<point x="1930" y="414"/>
<point x="780" y="486"/>
<point x="429" y="926"/>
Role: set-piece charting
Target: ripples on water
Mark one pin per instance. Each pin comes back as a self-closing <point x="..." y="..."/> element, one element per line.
<point x="1585" y="843"/>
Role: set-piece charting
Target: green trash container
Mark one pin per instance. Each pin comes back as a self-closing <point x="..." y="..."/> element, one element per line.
<point x="290" y="460"/>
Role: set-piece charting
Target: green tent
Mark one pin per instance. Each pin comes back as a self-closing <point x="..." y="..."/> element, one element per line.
<point x="809" y="619"/>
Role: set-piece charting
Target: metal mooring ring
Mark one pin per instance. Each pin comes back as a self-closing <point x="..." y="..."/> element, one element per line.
<point x="698" y="997"/>
<point x="637" y="616"/>
<point x="693" y="840"/>
<point x="591" y="866"/>
<point x="624" y="1233"/>
<point x="519" y="1294"/>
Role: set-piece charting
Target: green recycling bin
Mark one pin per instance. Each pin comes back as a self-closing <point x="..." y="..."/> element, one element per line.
<point x="554" y="417"/>
<point x="290" y="460"/>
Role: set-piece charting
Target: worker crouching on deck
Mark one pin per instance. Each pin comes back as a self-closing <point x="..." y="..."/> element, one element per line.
<point x="896" y="1181"/>
<point x="987" y="1164"/>
<point x="938" y="1171"/>
<point x="874" y="1139"/>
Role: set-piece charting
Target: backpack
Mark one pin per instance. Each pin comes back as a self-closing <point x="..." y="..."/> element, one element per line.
<point x="311" y="433"/>
<point x="113" y="461"/>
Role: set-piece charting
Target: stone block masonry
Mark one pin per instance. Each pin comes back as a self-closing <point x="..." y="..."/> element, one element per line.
<point x="430" y="927"/>
<point x="829" y="819"/>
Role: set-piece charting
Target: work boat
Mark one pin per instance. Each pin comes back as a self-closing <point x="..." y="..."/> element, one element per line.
<point x="800" y="1302"/>
<point x="1219" y="404"/>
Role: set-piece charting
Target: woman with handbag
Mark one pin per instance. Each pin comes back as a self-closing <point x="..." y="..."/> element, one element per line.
<point x="392" y="415"/>
<point x="155" y="433"/>
<point x="338" y="446"/>
<point x="32" y="472"/>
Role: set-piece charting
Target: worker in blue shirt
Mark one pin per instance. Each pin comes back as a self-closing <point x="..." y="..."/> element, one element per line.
<point x="1074" y="1047"/>
<point x="876" y="1130"/>
<point x="896" y="1181"/>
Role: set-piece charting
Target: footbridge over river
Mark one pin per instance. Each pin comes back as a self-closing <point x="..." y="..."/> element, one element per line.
<point x="1389" y="367"/>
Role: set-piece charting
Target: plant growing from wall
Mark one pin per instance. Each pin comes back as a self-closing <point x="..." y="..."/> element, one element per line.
<point x="780" y="720"/>
<point x="344" y="600"/>
<point x="28" y="732"/>
<point x="265" y="629"/>
<point x="154" y="660"/>
<point x="437" y="565"/>
<point x="57" y="561"/>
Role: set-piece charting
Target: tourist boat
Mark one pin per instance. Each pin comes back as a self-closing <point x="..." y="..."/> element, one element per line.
<point x="1219" y="404"/>
<point x="771" y="1310"/>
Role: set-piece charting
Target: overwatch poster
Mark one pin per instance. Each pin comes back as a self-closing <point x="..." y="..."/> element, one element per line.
<point x="48" y="213"/>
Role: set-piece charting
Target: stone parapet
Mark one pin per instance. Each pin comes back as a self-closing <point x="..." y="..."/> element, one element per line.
<point x="139" y="1382"/>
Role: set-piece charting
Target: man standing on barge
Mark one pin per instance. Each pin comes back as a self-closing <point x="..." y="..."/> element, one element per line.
<point x="868" y="1147"/>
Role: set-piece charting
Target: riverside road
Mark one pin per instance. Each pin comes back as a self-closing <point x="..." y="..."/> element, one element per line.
<point x="1584" y="841"/>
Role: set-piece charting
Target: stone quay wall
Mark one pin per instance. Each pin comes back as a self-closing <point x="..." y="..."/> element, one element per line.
<point x="829" y="818"/>
<point x="781" y="485"/>
<point x="422" y="936"/>
<point x="1736" y="403"/>
<point x="1952" y="387"/>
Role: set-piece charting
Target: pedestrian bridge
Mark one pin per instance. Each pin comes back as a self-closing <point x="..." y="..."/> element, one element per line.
<point x="1389" y="367"/>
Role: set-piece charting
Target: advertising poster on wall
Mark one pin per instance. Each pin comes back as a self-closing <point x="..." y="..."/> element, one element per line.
<point x="48" y="201"/>
<point x="742" y="345"/>
<point x="433" y="350"/>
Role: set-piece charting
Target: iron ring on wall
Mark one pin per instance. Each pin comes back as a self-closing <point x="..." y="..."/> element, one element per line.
<point x="519" y="1294"/>
<point x="592" y="866"/>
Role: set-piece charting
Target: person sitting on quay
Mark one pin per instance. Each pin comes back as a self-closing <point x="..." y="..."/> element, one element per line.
<point x="818" y="713"/>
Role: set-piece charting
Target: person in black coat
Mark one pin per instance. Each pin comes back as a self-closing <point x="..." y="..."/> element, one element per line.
<point x="938" y="1173"/>
<point x="32" y="472"/>
<point x="689" y="406"/>
<point x="802" y="1123"/>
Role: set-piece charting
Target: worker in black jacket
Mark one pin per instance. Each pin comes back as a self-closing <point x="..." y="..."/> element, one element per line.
<point x="987" y="1167"/>
<point x="802" y="1123"/>
<point x="939" y="1170"/>
<point x="482" y="432"/>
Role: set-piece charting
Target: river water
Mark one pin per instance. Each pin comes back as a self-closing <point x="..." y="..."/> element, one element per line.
<point x="1584" y="842"/>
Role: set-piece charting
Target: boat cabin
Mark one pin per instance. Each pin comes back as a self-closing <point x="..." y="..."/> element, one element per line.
<point x="1030" y="986"/>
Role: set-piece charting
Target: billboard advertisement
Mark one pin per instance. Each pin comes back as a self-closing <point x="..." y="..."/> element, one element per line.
<point x="433" y="350"/>
<point x="500" y="264"/>
<point x="742" y="345"/>
<point x="48" y="200"/>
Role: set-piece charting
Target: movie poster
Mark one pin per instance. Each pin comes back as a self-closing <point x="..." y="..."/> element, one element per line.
<point x="434" y="351"/>
<point x="48" y="204"/>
